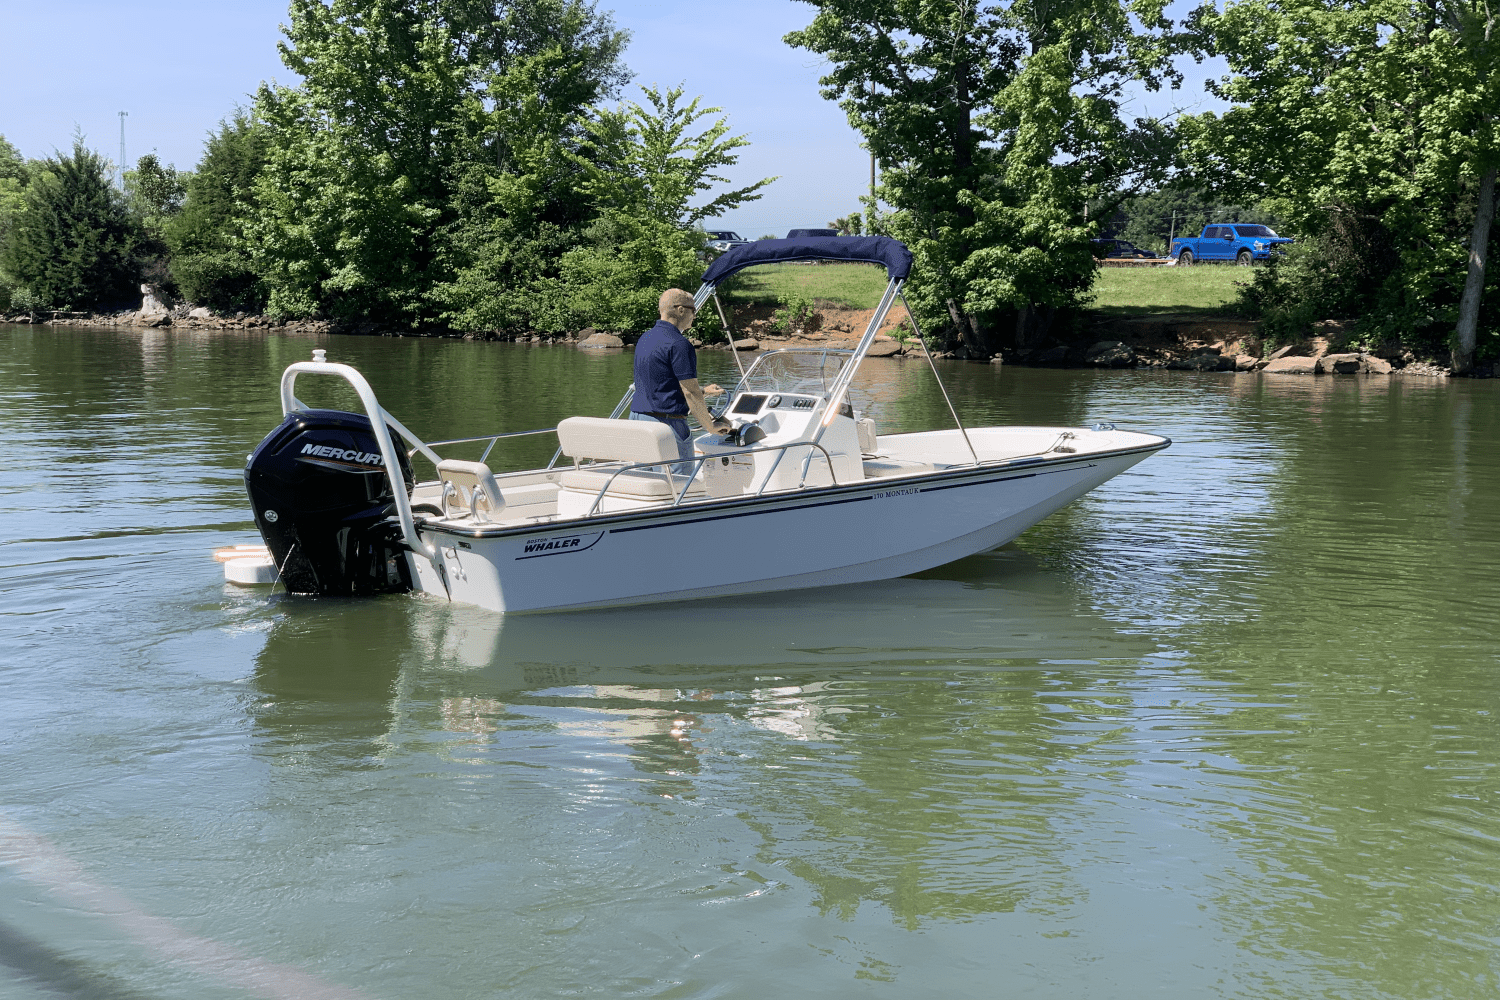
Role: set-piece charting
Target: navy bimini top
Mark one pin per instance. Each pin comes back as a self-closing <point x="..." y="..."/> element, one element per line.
<point x="663" y="358"/>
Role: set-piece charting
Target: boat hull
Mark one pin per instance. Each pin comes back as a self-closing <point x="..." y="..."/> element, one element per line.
<point x="875" y="530"/>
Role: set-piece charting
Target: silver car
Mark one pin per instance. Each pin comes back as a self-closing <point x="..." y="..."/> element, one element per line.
<point x="720" y="240"/>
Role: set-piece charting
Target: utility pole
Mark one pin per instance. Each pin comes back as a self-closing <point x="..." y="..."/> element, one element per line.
<point x="872" y="164"/>
<point x="122" y="149"/>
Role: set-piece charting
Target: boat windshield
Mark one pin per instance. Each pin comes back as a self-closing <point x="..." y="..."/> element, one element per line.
<point x="807" y="370"/>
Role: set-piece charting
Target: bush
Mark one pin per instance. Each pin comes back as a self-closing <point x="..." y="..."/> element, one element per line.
<point x="794" y="315"/>
<point x="209" y="262"/>
<point x="73" y="244"/>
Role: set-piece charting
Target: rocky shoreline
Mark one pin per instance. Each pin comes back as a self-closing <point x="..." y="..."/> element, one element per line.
<point x="1174" y="342"/>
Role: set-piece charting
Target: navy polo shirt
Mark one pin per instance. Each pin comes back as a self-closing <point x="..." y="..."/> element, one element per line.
<point x="663" y="358"/>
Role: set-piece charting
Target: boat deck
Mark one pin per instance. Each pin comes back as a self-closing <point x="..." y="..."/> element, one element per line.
<point x="566" y="493"/>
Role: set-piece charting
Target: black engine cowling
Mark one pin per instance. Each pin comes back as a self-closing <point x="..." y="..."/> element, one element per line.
<point x="324" y="505"/>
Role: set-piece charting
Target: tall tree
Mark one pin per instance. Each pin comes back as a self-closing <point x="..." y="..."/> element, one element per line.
<point x="647" y="168"/>
<point x="997" y="123"/>
<point x="72" y="245"/>
<point x="517" y="206"/>
<point x="211" y="262"/>
<point x="371" y="159"/>
<point x="14" y="175"/>
<point x="1371" y="128"/>
<point x="355" y="180"/>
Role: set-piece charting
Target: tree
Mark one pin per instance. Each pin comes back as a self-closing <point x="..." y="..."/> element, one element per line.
<point x="210" y="260"/>
<point x="517" y="206"/>
<point x="380" y="160"/>
<point x="73" y="243"/>
<point x="154" y="192"/>
<point x="153" y="197"/>
<point x="996" y="125"/>
<point x="1370" y="128"/>
<point x="645" y="168"/>
<point x="354" y="184"/>
<point x="14" y="175"/>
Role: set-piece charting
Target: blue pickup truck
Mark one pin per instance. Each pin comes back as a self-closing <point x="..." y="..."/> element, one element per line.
<point x="1240" y="242"/>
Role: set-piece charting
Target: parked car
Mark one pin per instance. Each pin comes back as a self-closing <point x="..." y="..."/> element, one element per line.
<point x="1121" y="248"/>
<point x="802" y="234"/>
<point x="720" y="240"/>
<point x="1240" y="242"/>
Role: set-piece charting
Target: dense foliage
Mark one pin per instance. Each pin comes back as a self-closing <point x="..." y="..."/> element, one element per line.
<point x="997" y="123"/>
<point x="211" y="262"/>
<point x="1370" y="129"/>
<point x="73" y="242"/>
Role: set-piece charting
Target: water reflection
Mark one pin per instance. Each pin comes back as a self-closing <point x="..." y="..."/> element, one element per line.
<point x="915" y="744"/>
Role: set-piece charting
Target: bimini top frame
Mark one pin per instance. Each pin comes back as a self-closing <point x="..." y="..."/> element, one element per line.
<point x="888" y="253"/>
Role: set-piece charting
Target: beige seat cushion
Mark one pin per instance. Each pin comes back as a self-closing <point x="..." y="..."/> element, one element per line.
<point x="630" y="441"/>
<point x="631" y="484"/>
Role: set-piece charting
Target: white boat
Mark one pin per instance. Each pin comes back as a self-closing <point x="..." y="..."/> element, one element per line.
<point x="804" y="493"/>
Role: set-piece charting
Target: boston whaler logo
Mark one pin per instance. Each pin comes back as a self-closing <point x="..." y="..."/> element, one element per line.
<point x="536" y="547"/>
<point x="351" y="455"/>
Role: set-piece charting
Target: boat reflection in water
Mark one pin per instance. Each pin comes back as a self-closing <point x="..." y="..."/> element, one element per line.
<point x="840" y="746"/>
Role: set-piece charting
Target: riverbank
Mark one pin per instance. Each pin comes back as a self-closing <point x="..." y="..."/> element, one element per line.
<point x="1184" y="341"/>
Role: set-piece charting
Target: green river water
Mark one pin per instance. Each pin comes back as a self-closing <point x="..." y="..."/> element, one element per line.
<point x="1227" y="727"/>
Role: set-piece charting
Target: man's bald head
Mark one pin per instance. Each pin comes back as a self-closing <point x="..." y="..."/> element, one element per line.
<point x="676" y="307"/>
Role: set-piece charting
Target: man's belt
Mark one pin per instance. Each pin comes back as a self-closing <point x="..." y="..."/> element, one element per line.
<point x="665" y="416"/>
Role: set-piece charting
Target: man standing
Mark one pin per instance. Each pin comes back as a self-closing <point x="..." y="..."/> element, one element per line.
<point x="666" y="376"/>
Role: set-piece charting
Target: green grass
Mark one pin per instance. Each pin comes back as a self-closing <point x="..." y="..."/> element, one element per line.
<point x="849" y="286"/>
<point x="1121" y="291"/>
<point x="1144" y="291"/>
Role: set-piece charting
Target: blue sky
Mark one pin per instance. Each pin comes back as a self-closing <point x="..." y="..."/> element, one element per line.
<point x="178" y="67"/>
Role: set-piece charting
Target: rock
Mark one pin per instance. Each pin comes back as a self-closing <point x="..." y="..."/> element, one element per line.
<point x="1111" y="354"/>
<point x="746" y="344"/>
<point x="1056" y="356"/>
<point x="1204" y="360"/>
<point x="152" y="300"/>
<point x="583" y="334"/>
<point x="597" y="341"/>
<point x="1281" y="353"/>
<point x="1353" y="364"/>
<point x="1291" y="366"/>
<point x="1245" y="362"/>
<point x="1338" y="364"/>
<point x="997" y="360"/>
<point x="883" y="348"/>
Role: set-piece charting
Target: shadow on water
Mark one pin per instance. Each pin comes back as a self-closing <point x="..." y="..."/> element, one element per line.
<point x="56" y="971"/>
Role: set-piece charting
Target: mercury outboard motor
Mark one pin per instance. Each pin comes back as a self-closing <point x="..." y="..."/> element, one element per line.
<point x="324" y="505"/>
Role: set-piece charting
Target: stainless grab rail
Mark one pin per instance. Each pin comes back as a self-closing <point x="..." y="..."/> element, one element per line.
<point x="379" y="425"/>
<point x="698" y="467"/>
<point x="492" y="438"/>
